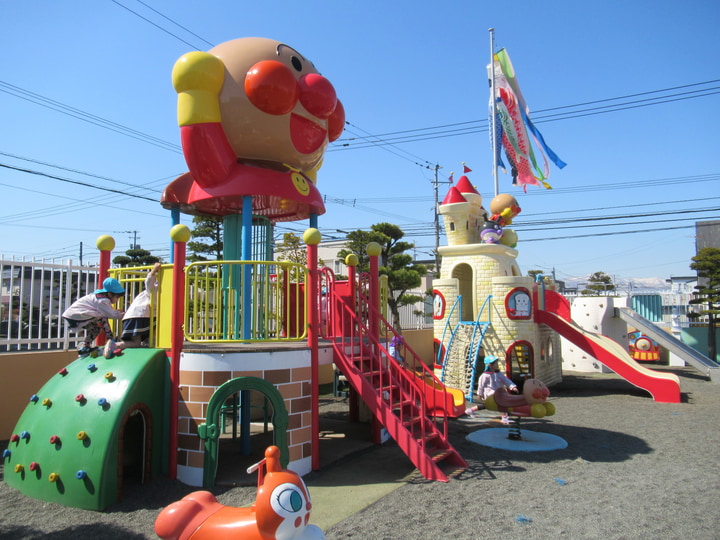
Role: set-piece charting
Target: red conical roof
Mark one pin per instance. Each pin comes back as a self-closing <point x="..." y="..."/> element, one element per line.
<point x="465" y="186"/>
<point x="454" y="196"/>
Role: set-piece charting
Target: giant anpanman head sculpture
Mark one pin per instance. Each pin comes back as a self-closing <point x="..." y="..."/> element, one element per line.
<point x="249" y="104"/>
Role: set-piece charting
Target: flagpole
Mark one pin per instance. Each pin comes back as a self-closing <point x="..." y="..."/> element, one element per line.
<point x="493" y="127"/>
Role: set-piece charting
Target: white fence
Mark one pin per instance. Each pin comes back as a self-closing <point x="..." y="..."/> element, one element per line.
<point x="34" y="295"/>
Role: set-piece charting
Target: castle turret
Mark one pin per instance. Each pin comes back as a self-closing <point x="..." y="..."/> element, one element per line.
<point x="455" y="210"/>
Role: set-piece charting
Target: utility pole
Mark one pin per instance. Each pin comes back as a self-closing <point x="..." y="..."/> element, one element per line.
<point x="133" y="241"/>
<point x="436" y="182"/>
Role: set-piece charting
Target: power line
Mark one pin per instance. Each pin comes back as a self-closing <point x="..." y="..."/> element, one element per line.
<point x="480" y="126"/>
<point x="154" y="24"/>
<point x="57" y="106"/>
<point x="76" y="182"/>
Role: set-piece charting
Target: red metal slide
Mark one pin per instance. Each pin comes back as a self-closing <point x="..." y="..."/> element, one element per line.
<point x="664" y="387"/>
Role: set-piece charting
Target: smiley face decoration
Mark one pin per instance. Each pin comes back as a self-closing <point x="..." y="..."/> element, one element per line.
<point x="255" y="119"/>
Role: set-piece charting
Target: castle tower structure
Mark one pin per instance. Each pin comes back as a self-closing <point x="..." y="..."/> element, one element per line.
<point x="494" y="297"/>
<point x="455" y="210"/>
<point x="478" y="215"/>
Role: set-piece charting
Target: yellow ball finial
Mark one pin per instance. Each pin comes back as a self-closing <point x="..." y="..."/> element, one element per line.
<point x="352" y="260"/>
<point x="312" y="236"/>
<point x="105" y="243"/>
<point x="180" y="233"/>
<point x="373" y="249"/>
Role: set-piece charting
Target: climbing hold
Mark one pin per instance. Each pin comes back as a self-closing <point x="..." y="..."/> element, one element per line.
<point x="109" y="376"/>
<point x="80" y="474"/>
<point x="19" y="468"/>
<point x="34" y="398"/>
<point x="80" y="398"/>
<point x="63" y="372"/>
<point x="82" y="435"/>
<point x="47" y="402"/>
<point x="34" y="466"/>
<point x="54" y="477"/>
<point x="25" y="435"/>
<point x="54" y="439"/>
<point x="6" y="453"/>
<point x="15" y="437"/>
<point x="102" y="402"/>
<point x="92" y="367"/>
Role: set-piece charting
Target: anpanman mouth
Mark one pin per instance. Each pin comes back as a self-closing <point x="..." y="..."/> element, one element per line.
<point x="306" y="135"/>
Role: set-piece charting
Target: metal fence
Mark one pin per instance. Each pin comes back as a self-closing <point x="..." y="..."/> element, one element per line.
<point x="34" y="295"/>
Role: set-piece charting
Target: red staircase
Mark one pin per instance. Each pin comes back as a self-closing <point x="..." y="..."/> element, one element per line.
<point x="392" y="392"/>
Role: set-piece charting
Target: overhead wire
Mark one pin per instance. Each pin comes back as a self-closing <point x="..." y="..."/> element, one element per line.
<point x="391" y="139"/>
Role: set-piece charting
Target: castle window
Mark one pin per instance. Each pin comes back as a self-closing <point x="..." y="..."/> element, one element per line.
<point x="452" y="226"/>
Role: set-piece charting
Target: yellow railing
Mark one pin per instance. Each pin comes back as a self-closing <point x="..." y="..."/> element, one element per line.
<point x="217" y="291"/>
<point x="133" y="280"/>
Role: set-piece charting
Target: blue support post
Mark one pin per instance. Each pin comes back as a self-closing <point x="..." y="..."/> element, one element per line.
<point x="247" y="256"/>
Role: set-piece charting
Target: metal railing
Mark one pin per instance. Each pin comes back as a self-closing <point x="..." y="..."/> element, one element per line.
<point x="216" y="293"/>
<point x="34" y="295"/>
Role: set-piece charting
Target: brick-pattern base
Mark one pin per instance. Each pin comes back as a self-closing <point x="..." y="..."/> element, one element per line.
<point x="202" y="373"/>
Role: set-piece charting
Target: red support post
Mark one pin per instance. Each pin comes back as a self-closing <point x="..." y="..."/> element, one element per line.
<point x="105" y="244"/>
<point x="351" y="261"/>
<point x="373" y="250"/>
<point x="180" y="234"/>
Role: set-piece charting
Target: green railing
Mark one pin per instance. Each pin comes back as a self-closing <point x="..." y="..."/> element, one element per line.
<point x="215" y="296"/>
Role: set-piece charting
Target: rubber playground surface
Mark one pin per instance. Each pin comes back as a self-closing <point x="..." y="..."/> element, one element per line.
<point x="632" y="468"/>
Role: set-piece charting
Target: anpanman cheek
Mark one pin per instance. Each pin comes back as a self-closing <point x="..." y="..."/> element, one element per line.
<point x="271" y="87"/>
<point x="336" y="122"/>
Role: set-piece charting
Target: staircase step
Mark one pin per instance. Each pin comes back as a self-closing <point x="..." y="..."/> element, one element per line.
<point x="440" y="455"/>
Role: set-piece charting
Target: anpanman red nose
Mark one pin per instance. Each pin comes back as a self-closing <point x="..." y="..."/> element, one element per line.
<point x="317" y="95"/>
<point x="272" y="87"/>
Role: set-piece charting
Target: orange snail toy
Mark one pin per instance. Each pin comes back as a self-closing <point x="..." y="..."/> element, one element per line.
<point x="281" y="510"/>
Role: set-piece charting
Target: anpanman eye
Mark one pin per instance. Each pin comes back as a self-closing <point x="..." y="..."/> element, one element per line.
<point x="297" y="64"/>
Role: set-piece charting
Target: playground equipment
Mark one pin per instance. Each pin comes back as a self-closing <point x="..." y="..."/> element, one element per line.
<point x="664" y="387"/>
<point x="483" y="302"/>
<point x="95" y="424"/>
<point x="255" y="118"/>
<point x="281" y="510"/>
<point x="532" y="402"/>
<point x="702" y="363"/>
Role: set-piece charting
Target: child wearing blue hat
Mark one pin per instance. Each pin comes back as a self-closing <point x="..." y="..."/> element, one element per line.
<point x="92" y="312"/>
<point x="492" y="379"/>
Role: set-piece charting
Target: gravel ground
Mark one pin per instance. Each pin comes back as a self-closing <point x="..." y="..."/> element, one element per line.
<point x="633" y="468"/>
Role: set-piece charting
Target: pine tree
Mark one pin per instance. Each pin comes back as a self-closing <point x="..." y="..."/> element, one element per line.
<point x="707" y="292"/>
<point x="599" y="284"/>
<point x="211" y="229"/>
<point x="402" y="272"/>
<point x="136" y="257"/>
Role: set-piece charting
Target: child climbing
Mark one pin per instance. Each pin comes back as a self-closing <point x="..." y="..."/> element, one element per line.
<point x="136" y="322"/>
<point x="492" y="379"/>
<point x="92" y="312"/>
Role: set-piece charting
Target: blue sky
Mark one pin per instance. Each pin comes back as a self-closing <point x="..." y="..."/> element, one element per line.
<point x="614" y="86"/>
